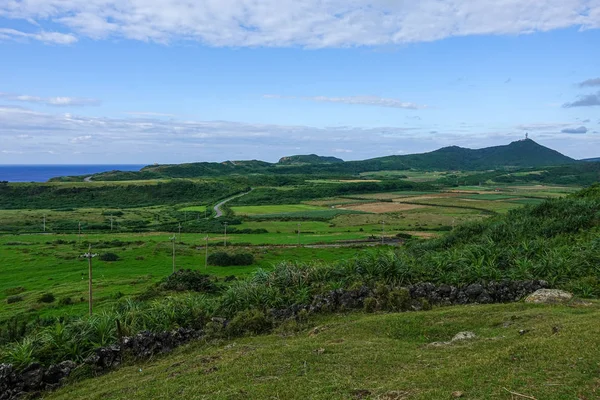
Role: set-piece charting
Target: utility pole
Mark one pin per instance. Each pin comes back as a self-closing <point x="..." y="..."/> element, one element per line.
<point x="180" y="231"/>
<point x="44" y="222"/>
<point x="225" y="242"/>
<point x="89" y="256"/>
<point x="206" y="252"/>
<point x="79" y="234"/>
<point x="382" y="231"/>
<point x="299" y="234"/>
<point x="173" y="240"/>
<point x="111" y="223"/>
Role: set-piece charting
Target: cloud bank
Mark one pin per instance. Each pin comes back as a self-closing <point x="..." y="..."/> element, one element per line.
<point x="590" y="82"/>
<point x="51" y="101"/>
<point x="587" y="100"/>
<point x="30" y="136"/>
<point x="580" y="130"/>
<point x="304" y="23"/>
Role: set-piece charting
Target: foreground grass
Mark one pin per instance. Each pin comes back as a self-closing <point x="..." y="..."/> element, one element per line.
<point x="384" y="356"/>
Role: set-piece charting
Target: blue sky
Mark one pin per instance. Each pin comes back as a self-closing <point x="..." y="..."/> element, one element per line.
<point x="144" y="81"/>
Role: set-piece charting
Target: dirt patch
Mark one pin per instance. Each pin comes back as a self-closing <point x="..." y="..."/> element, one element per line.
<point x="427" y="197"/>
<point x="380" y="208"/>
<point x="423" y="235"/>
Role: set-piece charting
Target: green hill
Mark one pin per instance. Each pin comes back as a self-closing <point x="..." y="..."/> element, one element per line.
<point x="522" y="153"/>
<point x="309" y="159"/>
<point x="519" y="154"/>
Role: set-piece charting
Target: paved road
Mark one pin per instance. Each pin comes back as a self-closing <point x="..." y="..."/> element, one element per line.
<point x="88" y="179"/>
<point x="217" y="208"/>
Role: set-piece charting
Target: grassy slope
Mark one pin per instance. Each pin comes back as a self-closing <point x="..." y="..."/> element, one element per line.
<point x="379" y="354"/>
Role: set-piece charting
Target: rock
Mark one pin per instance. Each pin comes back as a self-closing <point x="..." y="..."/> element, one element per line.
<point x="473" y="290"/>
<point x="457" y="394"/>
<point x="549" y="296"/>
<point x="467" y="335"/>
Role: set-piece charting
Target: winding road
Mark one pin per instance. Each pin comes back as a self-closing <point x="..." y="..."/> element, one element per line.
<point x="217" y="208"/>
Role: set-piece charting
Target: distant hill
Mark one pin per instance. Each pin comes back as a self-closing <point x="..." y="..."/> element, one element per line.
<point x="597" y="159"/>
<point x="520" y="154"/>
<point x="309" y="159"/>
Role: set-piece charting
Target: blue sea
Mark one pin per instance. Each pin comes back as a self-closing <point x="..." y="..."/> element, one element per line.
<point x="41" y="173"/>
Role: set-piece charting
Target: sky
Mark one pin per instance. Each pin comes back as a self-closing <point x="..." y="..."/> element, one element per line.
<point x="173" y="81"/>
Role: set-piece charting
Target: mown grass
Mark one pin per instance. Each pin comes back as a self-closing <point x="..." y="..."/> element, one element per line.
<point x="380" y="356"/>
<point x="274" y="209"/>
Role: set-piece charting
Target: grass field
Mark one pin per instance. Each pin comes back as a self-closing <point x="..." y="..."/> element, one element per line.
<point x="380" y="356"/>
<point x="199" y="209"/>
<point x="51" y="264"/>
<point x="275" y="209"/>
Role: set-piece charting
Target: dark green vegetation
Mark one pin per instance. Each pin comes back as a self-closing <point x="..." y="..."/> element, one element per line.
<point x="308" y="159"/>
<point x="223" y="259"/>
<point x="35" y="196"/>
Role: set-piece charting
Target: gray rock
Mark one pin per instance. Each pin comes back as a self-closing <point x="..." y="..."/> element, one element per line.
<point x="466" y="335"/>
<point x="549" y="296"/>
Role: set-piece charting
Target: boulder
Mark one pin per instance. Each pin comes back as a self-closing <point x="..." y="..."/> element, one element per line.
<point x="549" y="296"/>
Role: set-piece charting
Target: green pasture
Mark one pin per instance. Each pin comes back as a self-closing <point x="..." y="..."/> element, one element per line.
<point x="274" y="209"/>
<point x="52" y="264"/>
<point x="198" y="209"/>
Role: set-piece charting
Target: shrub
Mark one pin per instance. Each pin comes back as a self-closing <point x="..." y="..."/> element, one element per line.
<point x="399" y="300"/>
<point x="223" y="259"/>
<point x="247" y="322"/>
<point x="370" y="305"/>
<point x="13" y="299"/>
<point x="187" y="279"/>
<point x="14" y="290"/>
<point x="47" y="298"/>
<point x="109" y="257"/>
<point x="65" y="301"/>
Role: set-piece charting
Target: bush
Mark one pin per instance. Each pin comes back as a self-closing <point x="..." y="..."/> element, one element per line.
<point x="47" y="298"/>
<point x="13" y="299"/>
<point x="14" y="290"/>
<point x="109" y="257"/>
<point x="251" y="322"/>
<point x="223" y="259"/>
<point x="186" y="280"/>
<point x="65" y="301"/>
<point x="370" y="305"/>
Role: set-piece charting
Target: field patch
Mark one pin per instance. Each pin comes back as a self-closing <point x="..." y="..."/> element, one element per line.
<point x="383" y="207"/>
<point x="274" y="209"/>
<point x="193" y="209"/>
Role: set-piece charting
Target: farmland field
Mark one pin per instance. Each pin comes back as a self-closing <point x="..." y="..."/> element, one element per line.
<point x="277" y="209"/>
<point x="324" y="229"/>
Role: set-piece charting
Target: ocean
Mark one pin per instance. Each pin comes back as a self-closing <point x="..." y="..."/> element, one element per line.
<point x="41" y="173"/>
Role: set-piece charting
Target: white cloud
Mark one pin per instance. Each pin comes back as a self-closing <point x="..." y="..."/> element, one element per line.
<point x="42" y="36"/>
<point x="80" y="139"/>
<point x="355" y="100"/>
<point x="148" y="140"/>
<point x="50" y="101"/>
<point x="305" y="23"/>
<point x="545" y="126"/>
